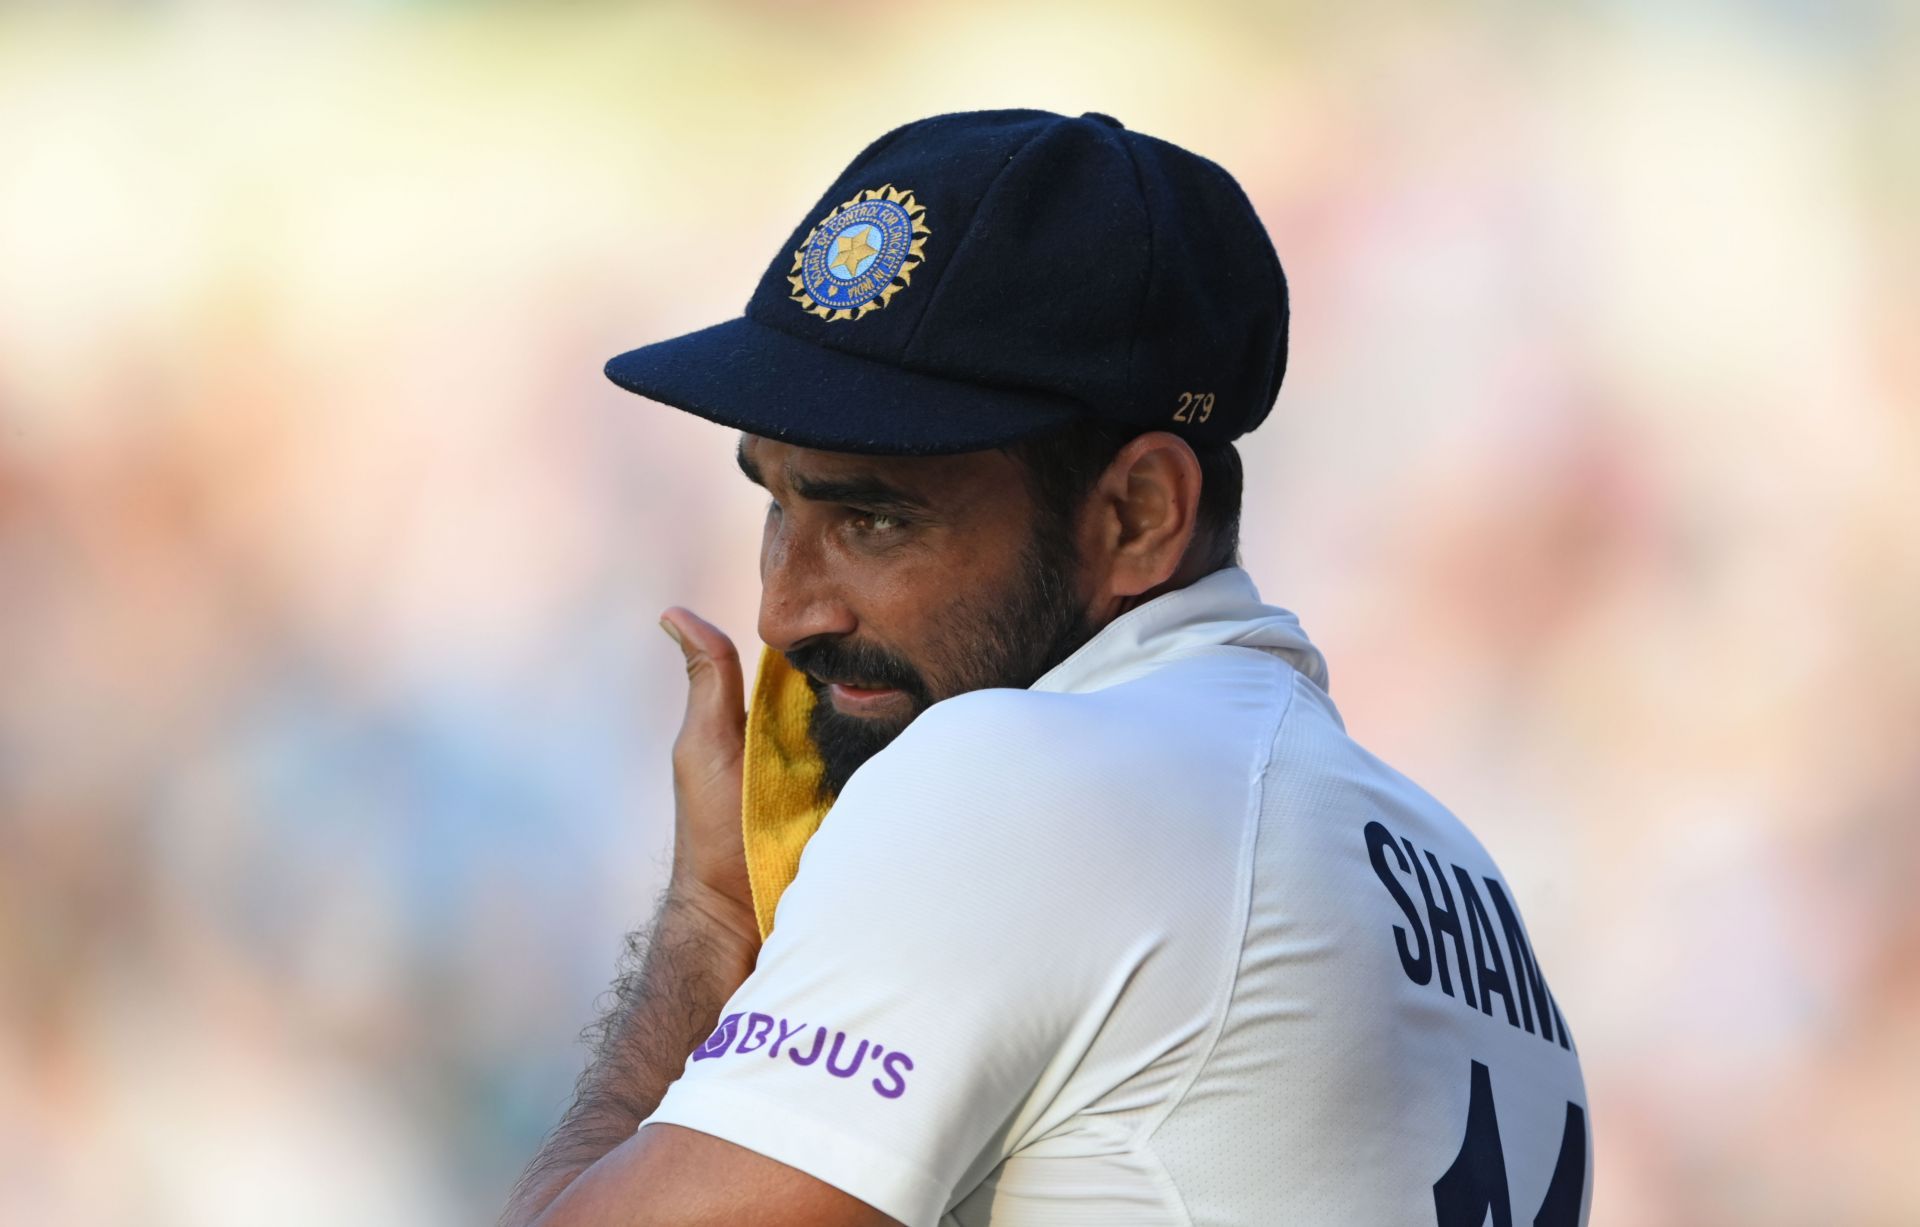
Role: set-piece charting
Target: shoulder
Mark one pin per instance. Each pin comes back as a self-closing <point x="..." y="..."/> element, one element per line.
<point x="1096" y="816"/>
<point x="1013" y="751"/>
<point x="1168" y="752"/>
<point x="1011" y="728"/>
<point x="1206" y="694"/>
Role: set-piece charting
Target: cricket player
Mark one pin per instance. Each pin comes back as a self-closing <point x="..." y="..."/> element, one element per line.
<point x="1095" y="915"/>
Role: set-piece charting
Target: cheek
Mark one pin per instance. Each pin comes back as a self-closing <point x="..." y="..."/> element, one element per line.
<point x="935" y="612"/>
<point x="901" y="603"/>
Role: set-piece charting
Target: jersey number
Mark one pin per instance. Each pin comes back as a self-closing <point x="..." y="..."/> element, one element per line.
<point x="1476" y="1184"/>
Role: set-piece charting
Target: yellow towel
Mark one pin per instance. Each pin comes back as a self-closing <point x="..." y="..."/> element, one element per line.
<point x="780" y="805"/>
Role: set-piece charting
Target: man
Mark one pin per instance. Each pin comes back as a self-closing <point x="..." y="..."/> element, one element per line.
<point x="1109" y="921"/>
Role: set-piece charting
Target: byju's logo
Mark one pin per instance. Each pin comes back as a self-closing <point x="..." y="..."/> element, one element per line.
<point x="764" y="1032"/>
<point x="721" y="1039"/>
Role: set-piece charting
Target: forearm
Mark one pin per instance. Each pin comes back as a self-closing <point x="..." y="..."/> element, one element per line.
<point x="675" y="977"/>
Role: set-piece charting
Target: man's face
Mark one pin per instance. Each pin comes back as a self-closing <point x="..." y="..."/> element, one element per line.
<point x="893" y="582"/>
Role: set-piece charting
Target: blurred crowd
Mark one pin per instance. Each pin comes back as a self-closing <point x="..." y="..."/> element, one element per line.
<point x="333" y="722"/>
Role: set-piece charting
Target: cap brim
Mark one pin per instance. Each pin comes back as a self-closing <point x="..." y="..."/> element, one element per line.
<point x="756" y="378"/>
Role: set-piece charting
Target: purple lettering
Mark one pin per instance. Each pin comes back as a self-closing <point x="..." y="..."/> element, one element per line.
<point x="898" y="1075"/>
<point x="786" y="1033"/>
<point x="840" y="1037"/>
<point x="755" y="1036"/>
<point x="717" y="1043"/>
<point x="766" y="1032"/>
<point x="819" y="1039"/>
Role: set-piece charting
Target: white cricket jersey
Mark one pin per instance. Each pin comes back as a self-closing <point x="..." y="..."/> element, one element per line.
<point x="1152" y="942"/>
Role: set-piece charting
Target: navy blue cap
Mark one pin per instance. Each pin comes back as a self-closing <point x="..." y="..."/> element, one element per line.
<point x="975" y="278"/>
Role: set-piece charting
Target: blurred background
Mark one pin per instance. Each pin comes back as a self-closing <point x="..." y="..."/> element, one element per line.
<point x="333" y="718"/>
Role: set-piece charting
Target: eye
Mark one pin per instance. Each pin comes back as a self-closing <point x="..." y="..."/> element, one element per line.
<point x="875" y="523"/>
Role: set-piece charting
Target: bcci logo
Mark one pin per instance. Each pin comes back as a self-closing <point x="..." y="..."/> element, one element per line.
<point x="860" y="254"/>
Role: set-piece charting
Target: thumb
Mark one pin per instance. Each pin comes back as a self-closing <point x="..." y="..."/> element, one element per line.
<point x="716" y="693"/>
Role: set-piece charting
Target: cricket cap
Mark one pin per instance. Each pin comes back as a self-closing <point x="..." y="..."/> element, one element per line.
<point x="976" y="278"/>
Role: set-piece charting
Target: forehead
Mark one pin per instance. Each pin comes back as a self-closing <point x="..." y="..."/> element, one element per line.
<point x="937" y="479"/>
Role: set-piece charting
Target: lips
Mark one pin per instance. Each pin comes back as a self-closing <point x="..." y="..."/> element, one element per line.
<point x="856" y="697"/>
<point x="860" y="686"/>
<point x="862" y="702"/>
<point x="852" y="676"/>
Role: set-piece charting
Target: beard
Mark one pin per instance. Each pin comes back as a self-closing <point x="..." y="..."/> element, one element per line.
<point x="1006" y="639"/>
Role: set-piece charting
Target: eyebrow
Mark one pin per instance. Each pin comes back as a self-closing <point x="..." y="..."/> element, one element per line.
<point x="747" y="465"/>
<point x="868" y="492"/>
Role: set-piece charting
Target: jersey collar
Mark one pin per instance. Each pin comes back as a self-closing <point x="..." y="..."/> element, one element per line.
<point x="1222" y="608"/>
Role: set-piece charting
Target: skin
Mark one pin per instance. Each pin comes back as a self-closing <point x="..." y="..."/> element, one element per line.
<point x="880" y="570"/>
<point x="869" y="549"/>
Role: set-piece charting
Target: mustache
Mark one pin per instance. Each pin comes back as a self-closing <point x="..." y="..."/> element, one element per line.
<point x="857" y="664"/>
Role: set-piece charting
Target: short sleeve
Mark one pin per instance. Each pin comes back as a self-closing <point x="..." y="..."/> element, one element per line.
<point x="933" y="968"/>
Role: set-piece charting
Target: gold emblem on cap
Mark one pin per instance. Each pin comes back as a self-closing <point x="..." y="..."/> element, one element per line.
<point x="843" y="262"/>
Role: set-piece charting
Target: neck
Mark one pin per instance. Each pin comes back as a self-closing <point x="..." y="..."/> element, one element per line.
<point x="1192" y="569"/>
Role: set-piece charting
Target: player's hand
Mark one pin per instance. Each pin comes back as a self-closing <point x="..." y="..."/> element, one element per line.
<point x="709" y="854"/>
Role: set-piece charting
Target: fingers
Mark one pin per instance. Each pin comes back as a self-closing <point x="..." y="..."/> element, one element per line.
<point x="708" y="757"/>
<point x="716" y="692"/>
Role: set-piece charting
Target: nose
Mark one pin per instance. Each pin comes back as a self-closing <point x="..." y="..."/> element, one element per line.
<point x="798" y="598"/>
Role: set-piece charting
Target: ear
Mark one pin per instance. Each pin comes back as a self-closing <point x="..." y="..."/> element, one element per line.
<point x="1145" y="506"/>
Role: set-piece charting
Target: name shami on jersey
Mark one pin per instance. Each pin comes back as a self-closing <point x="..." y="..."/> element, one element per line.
<point x="1513" y="976"/>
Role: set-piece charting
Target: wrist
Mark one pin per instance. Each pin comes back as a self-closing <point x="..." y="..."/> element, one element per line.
<point x="725" y="918"/>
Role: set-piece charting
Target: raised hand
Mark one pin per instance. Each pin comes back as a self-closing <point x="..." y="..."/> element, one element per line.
<point x="709" y="856"/>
